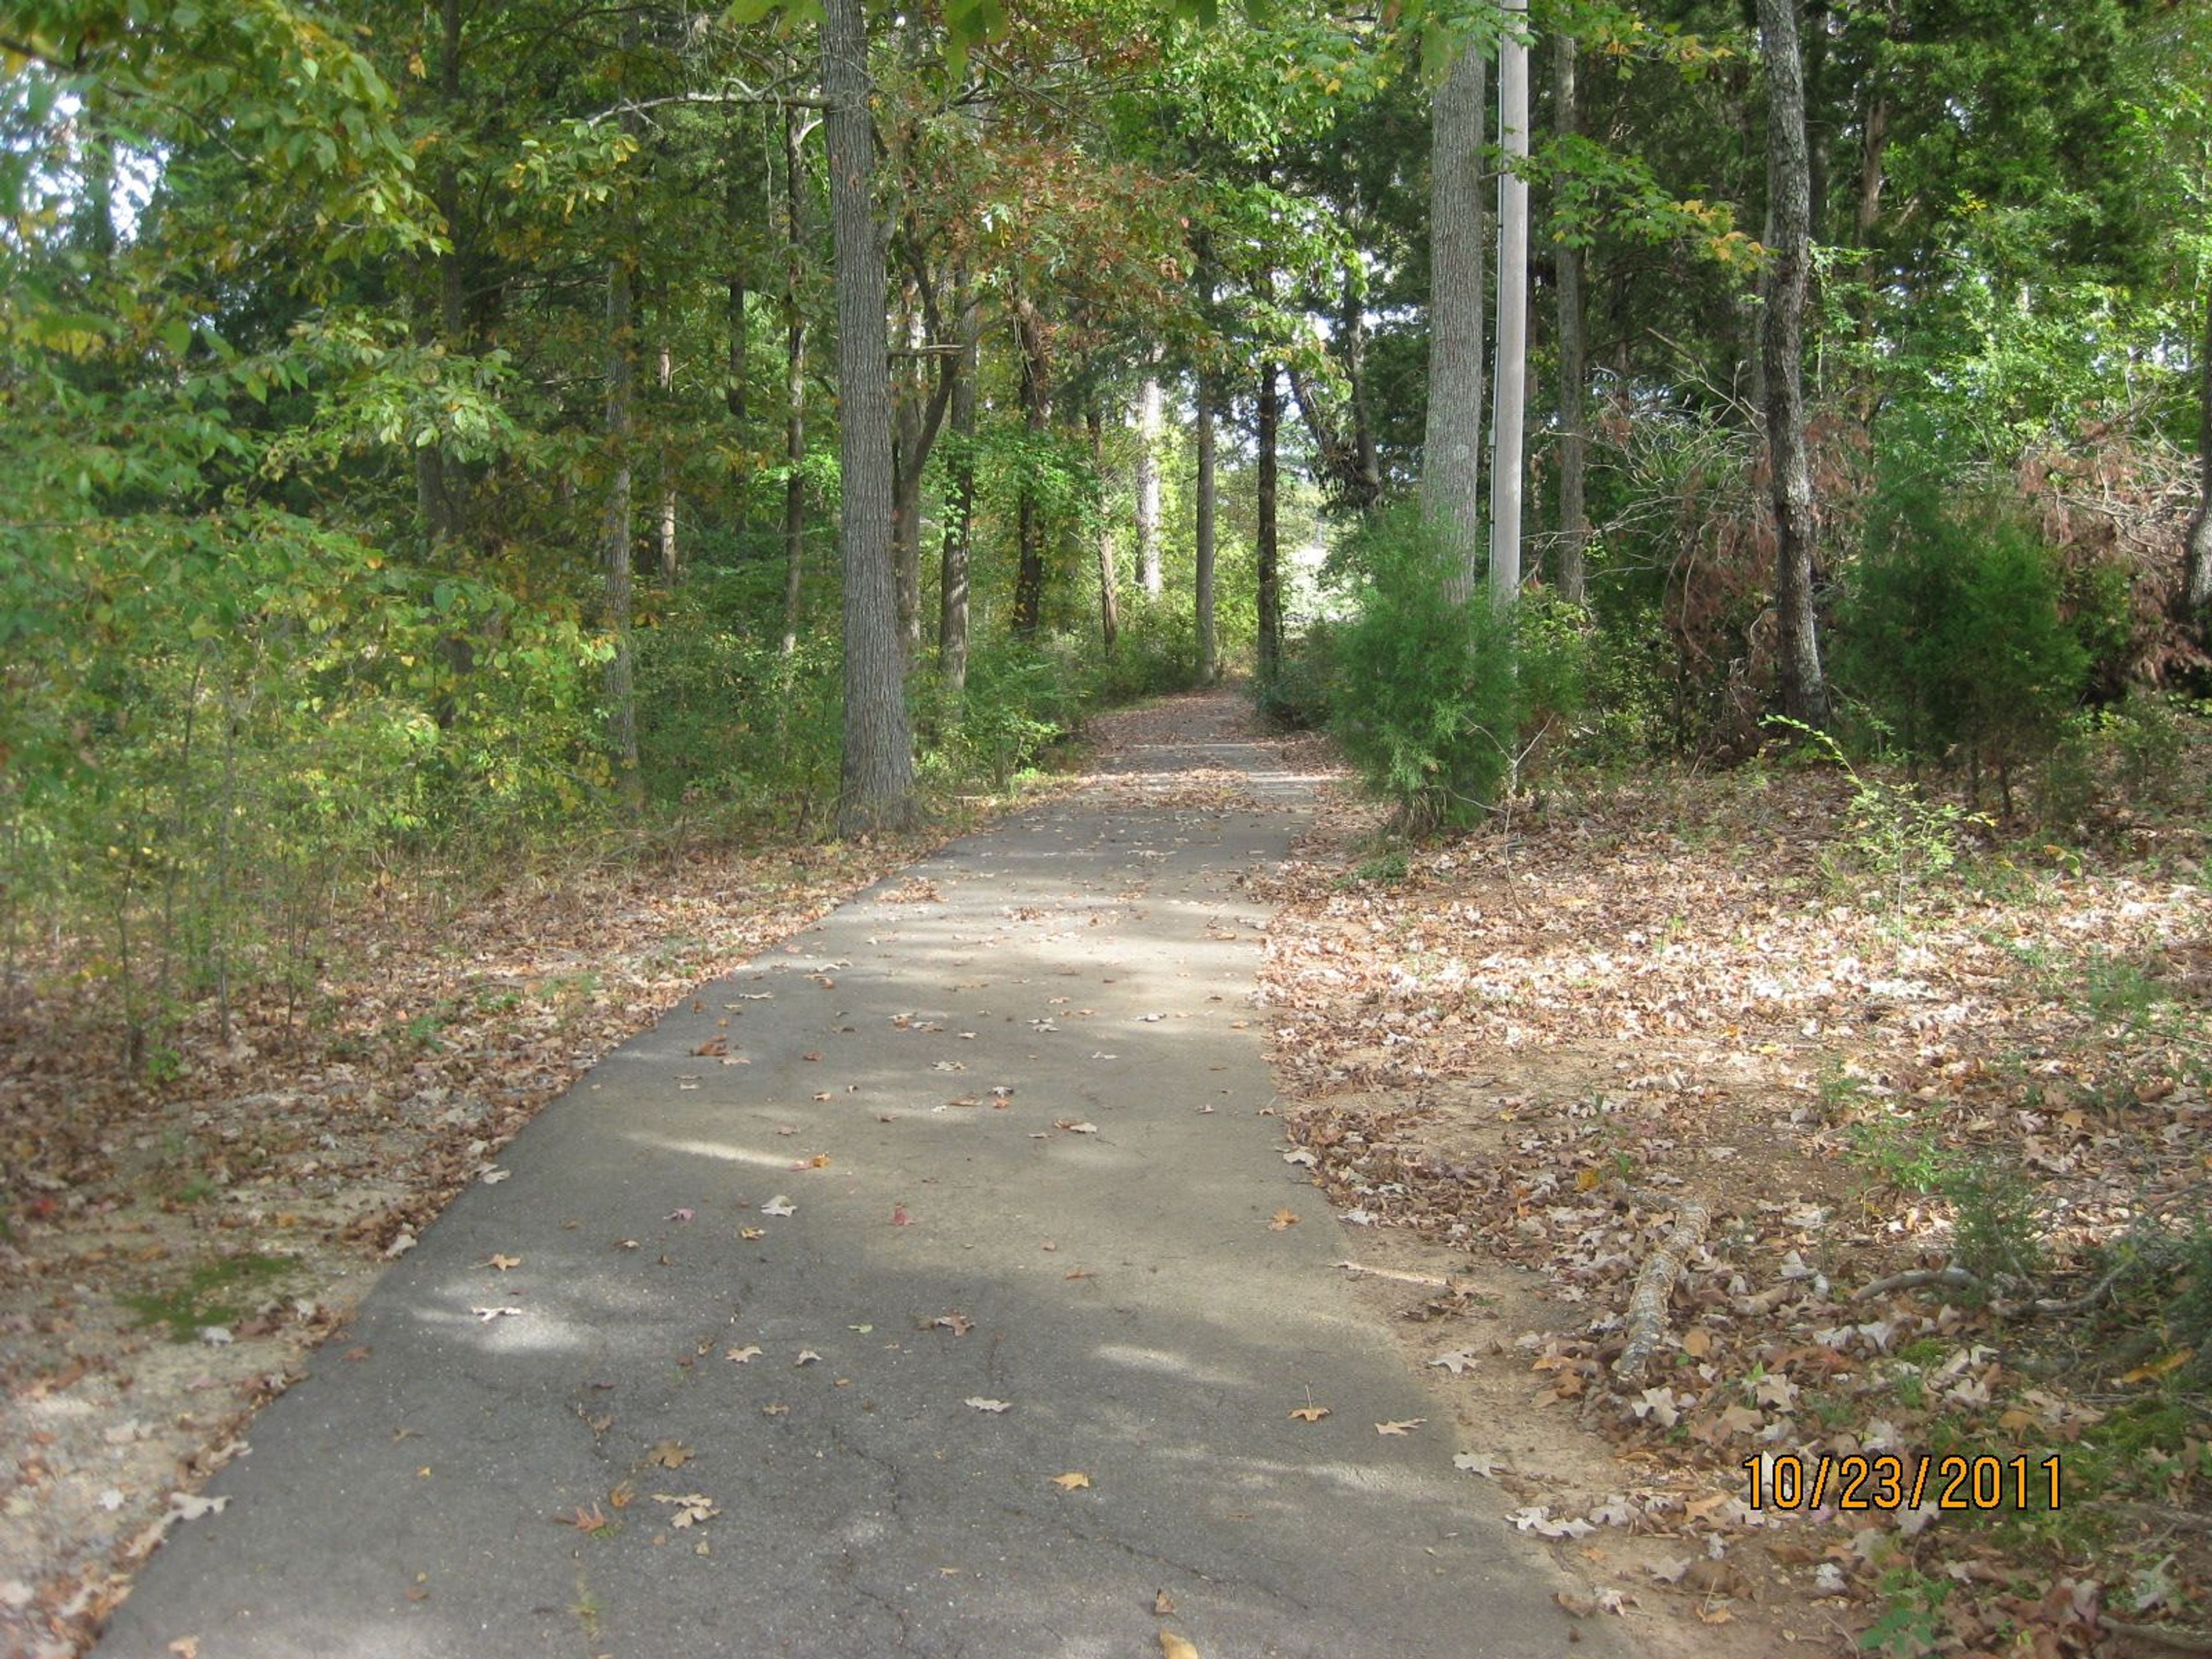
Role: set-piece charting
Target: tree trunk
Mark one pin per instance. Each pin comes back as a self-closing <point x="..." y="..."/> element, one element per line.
<point x="1148" y="487"/>
<point x="1110" y="598"/>
<point x="794" y="378"/>
<point x="960" y="520"/>
<point x="733" y="202"/>
<point x="876" y="782"/>
<point x="440" y="486"/>
<point x="1803" y="688"/>
<point x="1037" y="415"/>
<point x="1451" y="459"/>
<point x="2197" y="589"/>
<point x="616" y="534"/>
<point x="1209" y="649"/>
<point x="1574" y="374"/>
<point x="908" y="390"/>
<point x="1866" y="218"/>
<point x="1266" y="545"/>
<point x="667" y="379"/>
<point x="1510" y="411"/>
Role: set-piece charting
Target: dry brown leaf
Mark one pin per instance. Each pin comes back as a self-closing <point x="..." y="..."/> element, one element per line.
<point x="1073" y="1481"/>
<point x="1284" y="1217"/>
<point x="958" y="1323"/>
<point x="1404" y="1425"/>
<point x="1176" y="1647"/>
<point x="1162" y="1604"/>
<point x="503" y="1263"/>
<point x="670" y="1454"/>
<point x="1310" y="1414"/>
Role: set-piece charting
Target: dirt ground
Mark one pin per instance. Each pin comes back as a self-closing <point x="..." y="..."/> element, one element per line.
<point x="1519" y="1060"/>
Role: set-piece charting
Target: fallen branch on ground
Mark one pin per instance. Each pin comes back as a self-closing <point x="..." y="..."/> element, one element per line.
<point x="1654" y="1287"/>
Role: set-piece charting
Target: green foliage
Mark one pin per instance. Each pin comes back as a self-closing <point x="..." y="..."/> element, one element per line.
<point x="207" y="1295"/>
<point x="1020" y="700"/>
<point x="1438" y="704"/>
<point x="1295" y="696"/>
<point x="1951" y="627"/>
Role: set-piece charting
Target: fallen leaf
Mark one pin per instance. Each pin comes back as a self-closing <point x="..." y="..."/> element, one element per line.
<point x="1176" y="1647"/>
<point x="503" y="1263"/>
<point x="983" y="1405"/>
<point x="958" y="1323"/>
<point x="1310" y="1414"/>
<point x="1405" y="1426"/>
<point x="188" y="1506"/>
<point x="184" y="1646"/>
<point x="900" y="1218"/>
<point x="487" y="1315"/>
<point x="1073" y="1481"/>
<point x="492" y="1177"/>
<point x="670" y="1454"/>
<point x="807" y="1357"/>
<point x="1485" y="1464"/>
<point x="1283" y="1219"/>
<point x="1075" y="1125"/>
<point x="745" y="1356"/>
<point x="752" y="1232"/>
<point x="1162" y="1604"/>
<point x="692" y="1508"/>
<point x="679" y="1215"/>
<point x="780" y="1205"/>
<point x="1457" y="1361"/>
<point x="586" y="1520"/>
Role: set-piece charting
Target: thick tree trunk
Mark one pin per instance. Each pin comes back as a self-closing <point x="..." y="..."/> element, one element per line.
<point x="1451" y="450"/>
<point x="876" y="782"/>
<point x="794" y="379"/>
<point x="1209" y="646"/>
<point x="2197" y="589"/>
<point x="1029" y="516"/>
<point x="1267" y="553"/>
<point x="1510" y="409"/>
<point x="960" y="519"/>
<point x="1803" y="688"/>
<point x="1109" y="597"/>
<point x="1574" y="373"/>
<point x="1148" y="487"/>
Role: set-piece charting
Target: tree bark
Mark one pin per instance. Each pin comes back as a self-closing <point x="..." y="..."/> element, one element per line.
<point x="667" y="380"/>
<point x="2197" y="589"/>
<point x="1148" y="487"/>
<point x="1110" y="598"/>
<point x="1037" y="415"/>
<point x="921" y="418"/>
<point x="618" y="530"/>
<point x="1451" y="460"/>
<point x="1574" y="371"/>
<point x="960" y="520"/>
<point x="1209" y="646"/>
<point x="877" y="779"/>
<point x="1267" y="544"/>
<point x="1866" y="217"/>
<point x="733" y="203"/>
<point x="1803" y="688"/>
<point x="794" y="379"/>
<point x="1509" y="409"/>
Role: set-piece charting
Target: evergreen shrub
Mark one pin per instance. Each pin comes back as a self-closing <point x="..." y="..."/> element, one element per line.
<point x="1437" y="704"/>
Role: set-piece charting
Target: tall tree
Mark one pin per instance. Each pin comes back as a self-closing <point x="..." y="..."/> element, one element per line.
<point x="1803" y="688"/>
<point x="960" y="515"/>
<point x="1511" y="390"/>
<point x="2197" y="580"/>
<point x="1209" y="643"/>
<point x="1148" y="485"/>
<point x="1266" y="534"/>
<point x="877" y="779"/>
<point x="1451" y="452"/>
<point x="1574" y="372"/>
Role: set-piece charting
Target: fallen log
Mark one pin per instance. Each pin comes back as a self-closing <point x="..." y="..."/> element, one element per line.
<point x="1654" y="1287"/>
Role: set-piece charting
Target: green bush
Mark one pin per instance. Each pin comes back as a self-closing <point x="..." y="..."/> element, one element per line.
<point x="1020" y="700"/>
<point x="1296" y="695"/>
<point x="1438" y="704"/>
<point x="1951" y="629"/>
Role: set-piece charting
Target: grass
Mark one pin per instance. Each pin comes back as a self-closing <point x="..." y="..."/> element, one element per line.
<point x="206" y="1297"/>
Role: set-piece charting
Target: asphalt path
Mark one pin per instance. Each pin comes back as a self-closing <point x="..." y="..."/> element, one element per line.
<point x="961" y="1308"/>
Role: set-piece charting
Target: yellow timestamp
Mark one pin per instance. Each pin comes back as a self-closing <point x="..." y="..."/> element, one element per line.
<point x="1893" y="1482"/>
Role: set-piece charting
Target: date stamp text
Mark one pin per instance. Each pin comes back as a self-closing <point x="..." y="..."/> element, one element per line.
<point x="1954" y="1481"/>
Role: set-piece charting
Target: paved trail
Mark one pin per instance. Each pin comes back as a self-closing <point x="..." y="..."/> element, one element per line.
<point x="939" y="1041"/>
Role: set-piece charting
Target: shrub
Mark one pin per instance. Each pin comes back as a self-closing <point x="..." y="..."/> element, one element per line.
<point x="1950" y="629"/>
<point x="1295" y="696"/>
<point x="1435" y="702"/>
